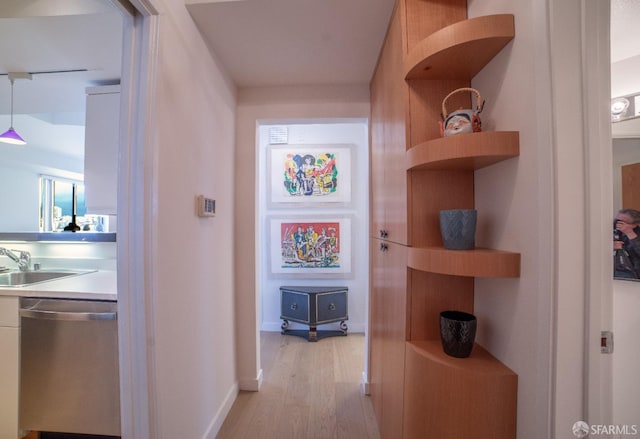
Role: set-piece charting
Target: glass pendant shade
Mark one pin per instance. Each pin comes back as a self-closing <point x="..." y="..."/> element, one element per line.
<point x="10" y="136"/>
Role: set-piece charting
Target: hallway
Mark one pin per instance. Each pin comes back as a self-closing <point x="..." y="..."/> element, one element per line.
<point x="310" y="391"/>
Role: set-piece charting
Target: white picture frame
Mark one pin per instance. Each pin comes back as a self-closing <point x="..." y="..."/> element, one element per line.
<point x="310" y="245"/>
<point x="309" y="175"/>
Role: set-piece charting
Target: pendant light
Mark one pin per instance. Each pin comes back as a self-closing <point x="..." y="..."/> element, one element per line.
<point x="11" y="136"/>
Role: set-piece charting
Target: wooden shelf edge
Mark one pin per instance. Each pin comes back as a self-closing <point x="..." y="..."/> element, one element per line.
<point x="464" y="151"/>
<point x="476" y="41"/>
<point x="473" y="263"/>
<point x="479" y="362"/>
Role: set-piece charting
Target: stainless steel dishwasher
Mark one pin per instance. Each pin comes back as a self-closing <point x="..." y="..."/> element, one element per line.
<point x="69" y="379"/>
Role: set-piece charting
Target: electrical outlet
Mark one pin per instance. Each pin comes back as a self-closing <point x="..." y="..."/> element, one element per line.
<point x="206" y="207"/>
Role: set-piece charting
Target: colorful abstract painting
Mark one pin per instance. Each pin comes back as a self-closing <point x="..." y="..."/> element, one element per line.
<point x="310" y="174"/>
<point x="310" y="246"/>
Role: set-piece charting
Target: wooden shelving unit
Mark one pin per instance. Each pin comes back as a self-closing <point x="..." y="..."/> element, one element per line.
<point x="468" y="152"/>
<point x="416" y="278"/>
<point x="458" y="398"/>
<point x="461" y="50"/>
<point x="479" y="262"/>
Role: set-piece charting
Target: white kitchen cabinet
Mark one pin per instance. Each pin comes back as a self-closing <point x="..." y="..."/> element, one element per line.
<point x="101" y="149"/>
<point x="9" y="366"/>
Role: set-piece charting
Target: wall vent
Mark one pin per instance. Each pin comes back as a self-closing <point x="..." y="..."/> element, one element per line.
<point x="278" y="135"/>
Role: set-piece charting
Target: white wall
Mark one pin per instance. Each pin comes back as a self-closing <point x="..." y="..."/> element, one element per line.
<point x="515" y="207"/>
<point x="626" y="354"/>
<point x="19" y="199"/>
<point x="626" y="308"/>
<point x="20" y="171"/>
<point x="263" y="104"/>
<point x="190" y="267"/>
<point x="626" y="294"/>
<point x="356" y="135"/>
<point x="543" y="205"/>
<point x="625" y="152"/>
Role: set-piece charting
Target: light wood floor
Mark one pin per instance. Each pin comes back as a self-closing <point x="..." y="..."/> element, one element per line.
<point x="309" y="391"/>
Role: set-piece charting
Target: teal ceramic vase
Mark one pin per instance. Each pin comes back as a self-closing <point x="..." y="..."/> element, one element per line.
<point x="458" y="228"/>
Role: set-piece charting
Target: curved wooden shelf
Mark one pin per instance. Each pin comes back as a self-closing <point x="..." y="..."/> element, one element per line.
<point x="480" y="262"/>
<point x="466" y="397"/>
<point x="479" y="362"/>
<point x="461" y="50"/>
<point x="465" y="151"/>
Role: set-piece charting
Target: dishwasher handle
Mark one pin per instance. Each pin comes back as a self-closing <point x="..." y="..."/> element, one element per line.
<point x="67" y="315"/>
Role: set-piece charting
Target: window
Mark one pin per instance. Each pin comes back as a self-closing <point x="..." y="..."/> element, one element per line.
<point x="62" y="203"/>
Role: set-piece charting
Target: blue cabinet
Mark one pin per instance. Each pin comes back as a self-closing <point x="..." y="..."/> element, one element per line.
<point x="313" y="306"/>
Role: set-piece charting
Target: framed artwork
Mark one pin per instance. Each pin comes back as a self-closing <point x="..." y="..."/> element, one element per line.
<point x="310" y="245"/>
<point x="309" y="175"/>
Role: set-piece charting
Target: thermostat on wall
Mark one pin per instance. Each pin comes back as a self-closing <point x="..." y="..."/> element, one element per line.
<point x="206" y="206"/>
<point x="278" y="135"/>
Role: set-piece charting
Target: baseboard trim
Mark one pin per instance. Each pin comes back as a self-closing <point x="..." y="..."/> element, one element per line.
<point x="364" y="385"/>
<point x="251" y="385"/>
<point x="221" y="415"/>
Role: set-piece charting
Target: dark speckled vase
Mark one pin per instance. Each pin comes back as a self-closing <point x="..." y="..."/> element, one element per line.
<point x="457" y="333"/>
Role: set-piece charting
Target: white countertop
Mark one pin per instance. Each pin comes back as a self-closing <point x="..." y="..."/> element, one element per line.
<point x="96" y="285"/>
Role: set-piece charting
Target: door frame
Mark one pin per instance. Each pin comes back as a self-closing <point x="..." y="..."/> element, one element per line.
<point x="583" y="284"/>
<point x="136" y="225"/>
<point x="596" y="24"/>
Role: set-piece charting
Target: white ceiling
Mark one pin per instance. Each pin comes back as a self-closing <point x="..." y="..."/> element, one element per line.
<point x="92" y="42"/>
<point x="294" y="42"/>
<point x="260" y="43"/>
<point x="625" y="16"/>
<point x="49" y="109"/>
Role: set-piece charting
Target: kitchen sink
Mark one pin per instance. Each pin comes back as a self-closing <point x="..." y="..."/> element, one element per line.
<point x="24" y="278"/>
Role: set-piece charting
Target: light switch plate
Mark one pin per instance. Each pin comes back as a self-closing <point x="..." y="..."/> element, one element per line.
<point x="206" y="207"/>
<point x="606" y="342"/>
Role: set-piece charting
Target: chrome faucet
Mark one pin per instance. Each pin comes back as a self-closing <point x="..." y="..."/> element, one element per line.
<point x="23" y="259"/>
